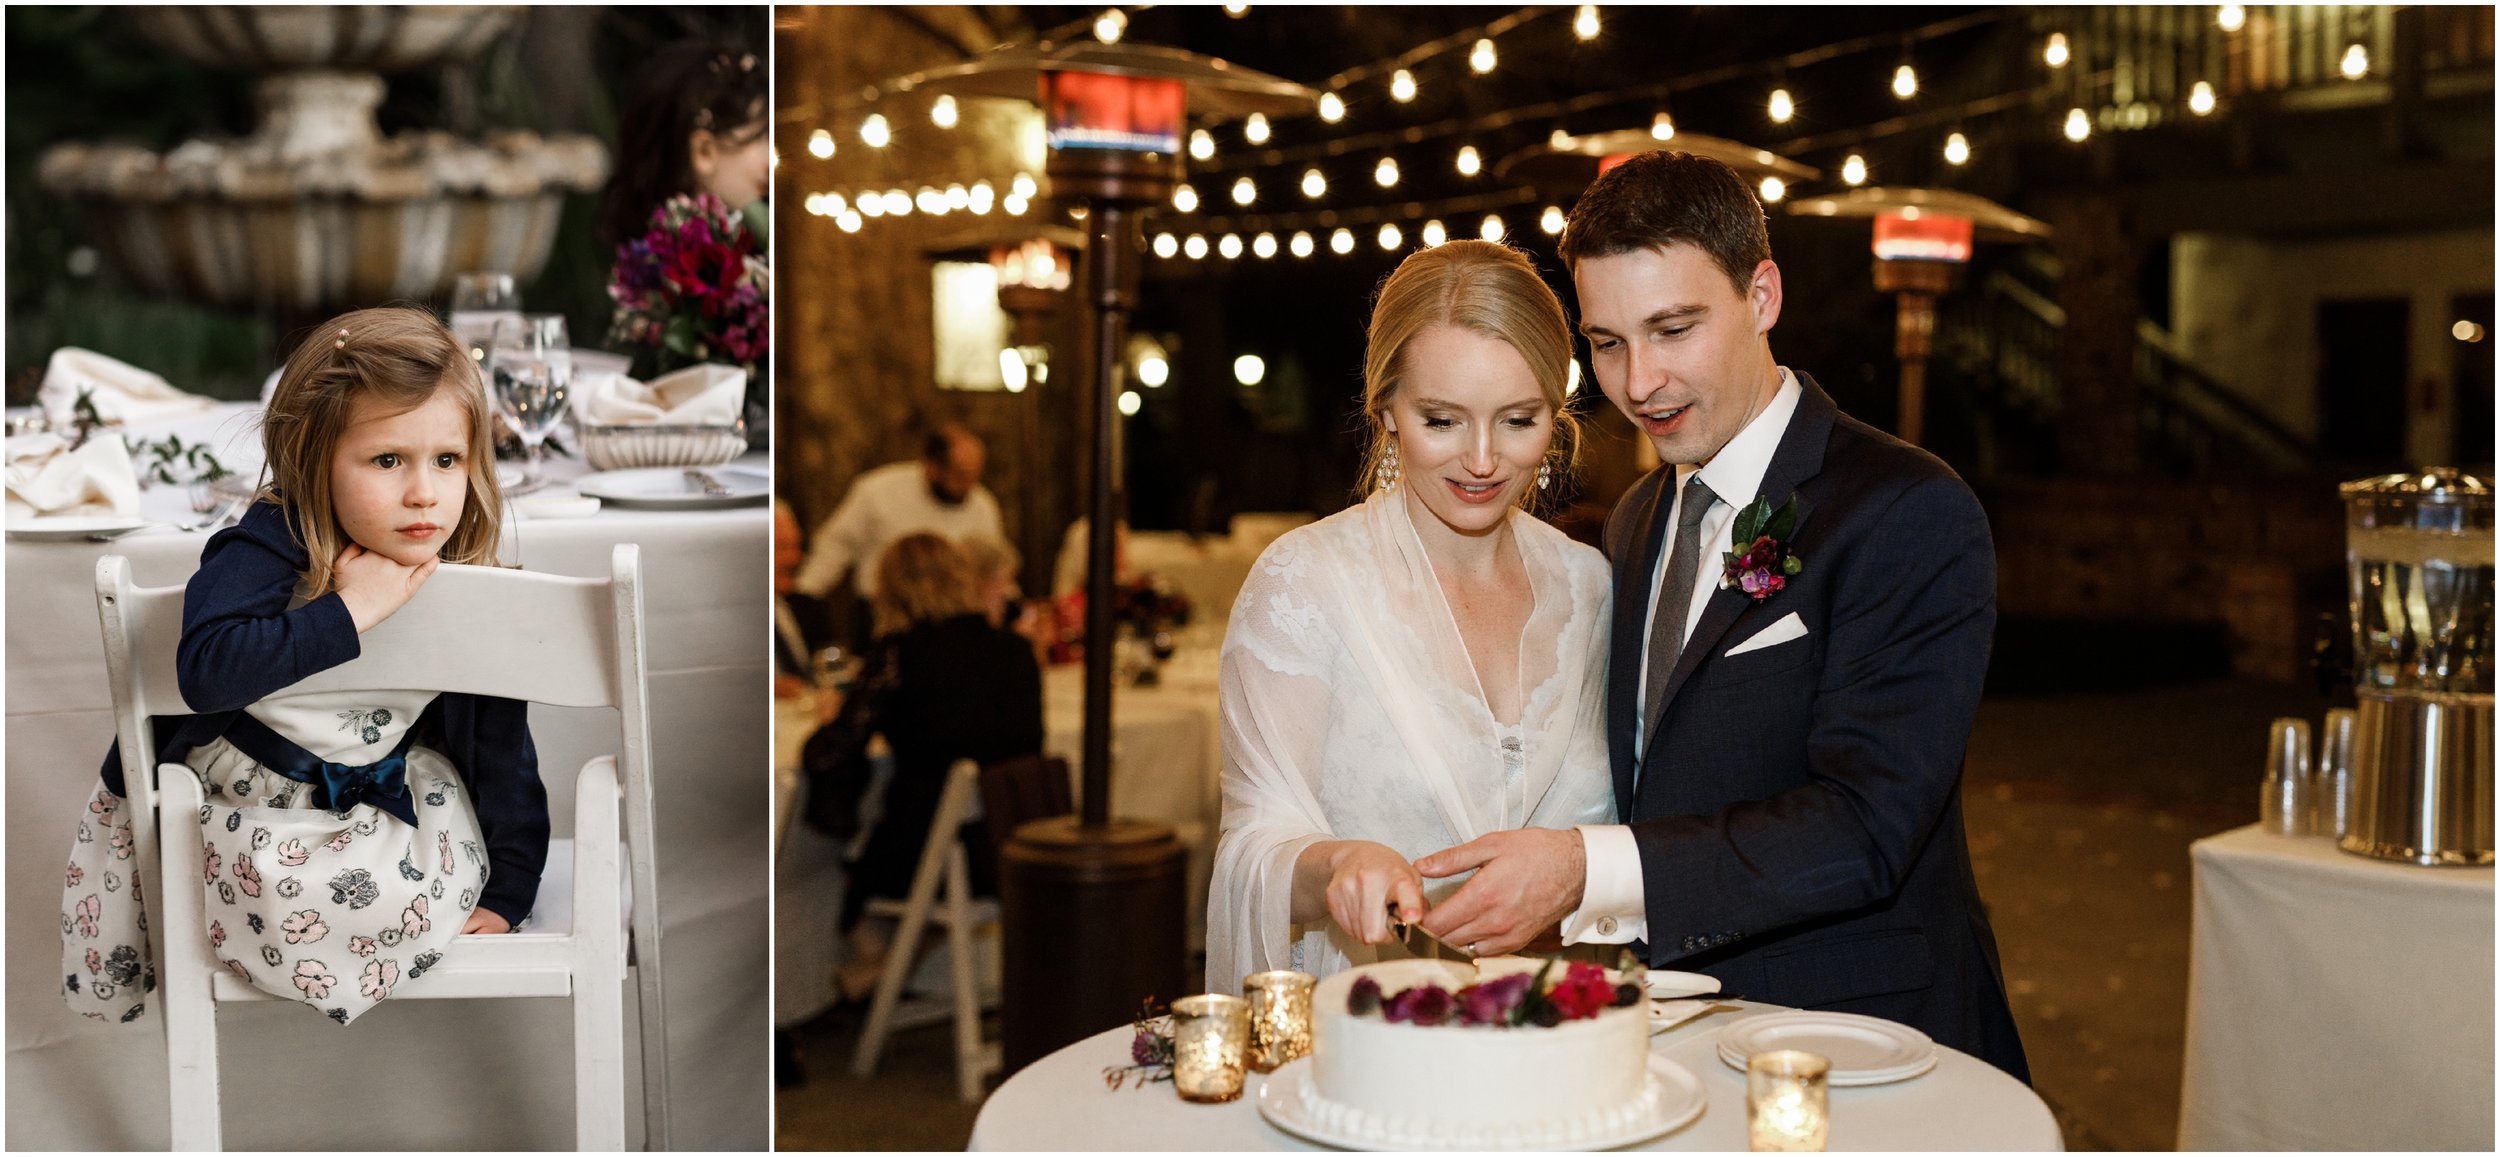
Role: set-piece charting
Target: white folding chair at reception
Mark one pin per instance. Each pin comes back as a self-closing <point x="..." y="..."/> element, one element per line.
<point x="569" y="642"/>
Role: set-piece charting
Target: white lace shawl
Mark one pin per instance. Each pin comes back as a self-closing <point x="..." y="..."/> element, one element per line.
<point x="1350" y="711"/>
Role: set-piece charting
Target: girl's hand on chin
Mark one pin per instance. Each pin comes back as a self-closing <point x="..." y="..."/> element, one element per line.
<point x="374" y="587"/>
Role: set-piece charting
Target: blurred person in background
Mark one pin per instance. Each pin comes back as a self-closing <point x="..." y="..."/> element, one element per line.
<point x="941" y="493"/>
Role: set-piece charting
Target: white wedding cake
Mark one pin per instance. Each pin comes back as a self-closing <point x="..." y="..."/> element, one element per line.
<point x="1408" y="1071"/>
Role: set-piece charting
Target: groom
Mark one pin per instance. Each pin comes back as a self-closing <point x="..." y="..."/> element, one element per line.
<point x="1786" y="732"/>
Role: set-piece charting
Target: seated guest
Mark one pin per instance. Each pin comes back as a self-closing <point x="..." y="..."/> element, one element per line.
<point x="940" y="683"/>
<point x="941" y="494"/>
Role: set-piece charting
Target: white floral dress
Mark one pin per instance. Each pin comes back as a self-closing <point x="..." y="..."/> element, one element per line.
<point x="335" y="909"/>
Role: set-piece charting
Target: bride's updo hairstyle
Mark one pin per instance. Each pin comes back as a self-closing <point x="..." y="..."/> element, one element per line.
<point x="1484" y="288"/>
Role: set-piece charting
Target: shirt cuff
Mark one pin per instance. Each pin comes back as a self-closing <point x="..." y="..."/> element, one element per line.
<point x="1613" y="907"/>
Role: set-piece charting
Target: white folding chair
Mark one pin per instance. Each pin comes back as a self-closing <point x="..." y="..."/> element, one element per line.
<point x="942" y="861"/>
<point x="566" y="641"/>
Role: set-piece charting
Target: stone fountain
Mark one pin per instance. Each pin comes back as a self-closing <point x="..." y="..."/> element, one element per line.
<point x="317" y="210"/>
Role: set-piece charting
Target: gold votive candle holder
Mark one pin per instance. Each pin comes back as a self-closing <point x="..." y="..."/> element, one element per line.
<point x="1788" y="1101"/>
<point x="1210" y="1047"/>
<point x="1280" y="1017"/>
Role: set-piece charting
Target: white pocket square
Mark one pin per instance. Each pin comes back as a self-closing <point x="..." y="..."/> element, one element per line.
<point x="1777" y="633"/>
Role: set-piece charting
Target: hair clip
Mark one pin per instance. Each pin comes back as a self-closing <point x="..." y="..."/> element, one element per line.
<point x="341" y="343"/>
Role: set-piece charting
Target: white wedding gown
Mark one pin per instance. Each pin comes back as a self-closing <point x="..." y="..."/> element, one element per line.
<point x="1351" y="711"/>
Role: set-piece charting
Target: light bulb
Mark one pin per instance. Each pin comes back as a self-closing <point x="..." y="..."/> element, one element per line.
<point x="1195" y="248"/>
<point x="2057" y="53"/>
<point x="1957" y="149"/>
<point x="2231" y="17"/>
<point x="848" y="221"/>
<point x="1109" y="26"/>
<point x="872" y="204"/>
<point x="1551" y="220"/>
<point x="1853" y="170"/>
<point x="1662" y="127"/>
<point x="1492" y="228"/>
<point x="983" y="197"/>
<point x="1167" y="246"/>
<point x="2078" y="126"/>
<point x="943" y="113"/>
<point x="1314" y="185"/>
<point x="1571" y="385"/>
<point x="1905" y="82"/>
<point x="1584" y="25"/>
<point x="874" y="132"/>
<point x="1470" y="162"/>
<point x="834" y="204"/>
<point x="1011" y="372"/>
<point x="1301" y="245"/>
<point x="1023" y="186"/>
<point x="930" y="201"/>
<point x="1782" y="106"/>
<point x="1236" y="11"/>
<point x="897" y="203"/>
<point x="1331" y="107"/>
<point x="1254" y="130"/>
<point x="1185" y="198"/>
<point x="1249" y="369"/>
<point x="1402" y="86"/>
<point x="1229" y="247"/>
<point x="1263" y="245"/>
<point x="820" y="144"/>
<point x="1558" y="140"/>
<point x="1482" y="59"/>
<point x="1245" y="191"/>
<point x="1014" y="205"/>
<point x="1391" y="236"/>
<point x="1341" y="242"/>
<point x="2356" y="62"/>
<point x="958" y="197"/>
<point x="2201" y="98"/>
<point x="1434" y="234"/>
<point x="1385" y="174"/>
<point x="1773" y="189"/>
<point x="1130" y="402"/>
<point x="1202" y="145"/>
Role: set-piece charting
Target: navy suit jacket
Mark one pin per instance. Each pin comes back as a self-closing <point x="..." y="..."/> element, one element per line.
<point x="240" y="644"/>
<point x="1798" y="811"/>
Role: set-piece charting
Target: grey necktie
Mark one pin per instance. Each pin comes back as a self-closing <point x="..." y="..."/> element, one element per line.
<point x="1674" y="600"/>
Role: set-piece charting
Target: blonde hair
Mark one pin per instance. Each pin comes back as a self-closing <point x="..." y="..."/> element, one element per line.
<point x="922" y="578"/>
<point x="400" y="357"/>
<point x="1483" y="288"/>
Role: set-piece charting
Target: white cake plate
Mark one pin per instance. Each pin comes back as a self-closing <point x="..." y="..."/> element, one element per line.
<point x="1675" y="1094"/>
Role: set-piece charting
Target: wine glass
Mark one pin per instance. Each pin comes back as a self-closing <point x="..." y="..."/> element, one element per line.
<point x="531" y="365"/>
<point x="479" y="302"/>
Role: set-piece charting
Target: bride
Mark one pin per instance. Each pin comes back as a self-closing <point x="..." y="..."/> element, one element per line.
<point x="1427" y="666"/>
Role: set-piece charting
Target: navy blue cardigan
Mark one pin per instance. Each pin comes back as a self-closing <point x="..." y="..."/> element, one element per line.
<point x="240" y="644"/>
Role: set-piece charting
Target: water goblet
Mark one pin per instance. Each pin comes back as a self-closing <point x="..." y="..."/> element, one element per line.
<point x="479" y="302"/>
<point x="531" y="366"/>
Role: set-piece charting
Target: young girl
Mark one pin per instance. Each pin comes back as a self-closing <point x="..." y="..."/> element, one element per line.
<point x="349" y="835"/>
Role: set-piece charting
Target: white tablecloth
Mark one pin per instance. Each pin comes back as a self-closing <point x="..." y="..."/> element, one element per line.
<point x="420" y="1074"/>
<point x="1060" y="1103"/>
<point x="2336" y="1002"/>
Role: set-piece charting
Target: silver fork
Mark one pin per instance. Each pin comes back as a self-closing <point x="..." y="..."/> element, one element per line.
<point x="711" y="486"/>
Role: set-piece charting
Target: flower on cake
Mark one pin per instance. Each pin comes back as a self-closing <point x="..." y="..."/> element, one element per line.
<point x="1512" y="1000"/>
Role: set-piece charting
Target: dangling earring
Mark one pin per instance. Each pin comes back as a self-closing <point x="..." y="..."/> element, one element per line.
<point x="1387" y="472"/>
<point x="1545" y="474"/>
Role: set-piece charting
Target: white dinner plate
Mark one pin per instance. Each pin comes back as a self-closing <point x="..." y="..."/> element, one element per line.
<point x="70" y="528"/>
<point x="668" y="488"/>
<point x="1864" y="1050"/>
<point x="1677" y="1100"/>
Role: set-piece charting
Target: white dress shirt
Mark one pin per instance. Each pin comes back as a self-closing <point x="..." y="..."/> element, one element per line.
<point x="1614" y="903"/>
<point x="885" y="504"/>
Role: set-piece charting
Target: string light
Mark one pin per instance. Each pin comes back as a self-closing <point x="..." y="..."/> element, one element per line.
<point x="1391" y="237"/>
<point x="2057" y="53"/>
<point x="834" y="204"/>
<point x="1301" y="244"/>
<point x="1957" y="149"/>
<point x="1492" y="228"/>
<point x="897" y="203"/>
<point x="1571" y="385"/>
<point x="1470" y="162"/>
<point x="1015" y="205"/>
<point x="1130" y="403"/>
<point x="1402" y="86"/>
<point x="1782" y="106"/>
<point x="1230" y="246"/>
<point x="942" y="112"/>
<point x="870" y="204"/>
<point x="1341" y="242"/>
<point x="1245" y="191"/>
<point x="1559" y="140"/>
<point x="1236" y="11"/>
<point x="1385" y="174"/>
<point x="1434" y="234"/>
<point x="1254" y="130"/>
<point x="1023" y="186"/>
<point x="2356" y="62"/>
<point x="1482" y="59"/>
<point x="1195" y="248"/>
<point x="1109" y="26"/>
<point x="982" y="197"/>
<point x="1584" y="25"/>
<point x="2201" y="98"/>
<point x="1331" y="107"/>
<point x="1249" y="370"/>
<point x="2078" y="126"/>
<point x="874" y="132"/>
<point x="1185" y="198"/>
<point x="930" y="201"/>
<point x="849" y="221"/>
<point x="1202" y="145"/>
<point x="1551" y="220"/>
<point x="1263" y="245"/>
<point x="2231" y="17"/>
<point x="1314" y="185"/>
<point x="820" y="144"/>
<point x="1853" y="170"/>
<point x="1153" y="371"/>
<point x="1773" y="189"/>
<point x="1662" y="127"/>
<point x="958" y="198"/>
<point x="1905" y="82"/>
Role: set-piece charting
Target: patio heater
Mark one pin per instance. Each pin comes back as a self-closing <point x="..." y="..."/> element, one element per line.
<point x="1923" y="241"/>
<point x="1093" y="905"/>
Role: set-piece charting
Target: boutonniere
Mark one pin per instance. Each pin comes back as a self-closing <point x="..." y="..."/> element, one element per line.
<point x="1766" y="563"/>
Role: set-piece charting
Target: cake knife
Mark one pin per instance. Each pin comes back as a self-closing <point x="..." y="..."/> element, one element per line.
<point x="1408" y="933"/>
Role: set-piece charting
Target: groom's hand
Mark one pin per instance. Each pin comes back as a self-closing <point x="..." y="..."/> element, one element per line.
<point x="1526" y="881"/>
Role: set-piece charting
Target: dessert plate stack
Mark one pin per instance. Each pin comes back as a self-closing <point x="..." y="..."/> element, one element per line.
<point x="1864" y="1050"/>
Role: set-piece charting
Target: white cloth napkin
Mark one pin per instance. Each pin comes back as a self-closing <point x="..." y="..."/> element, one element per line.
<point x="123" y="392"/>
<point x="46" y="478"/>
<point x="704" y="395"/>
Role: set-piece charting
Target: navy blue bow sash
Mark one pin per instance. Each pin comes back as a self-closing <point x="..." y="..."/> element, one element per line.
<point x="336" y="786"/>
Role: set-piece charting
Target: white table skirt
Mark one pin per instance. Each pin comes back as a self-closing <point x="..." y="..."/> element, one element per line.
<point x="489" y="1074"/>
<point x="1059" y="1103"/>
<point x="2336" y="1002"/>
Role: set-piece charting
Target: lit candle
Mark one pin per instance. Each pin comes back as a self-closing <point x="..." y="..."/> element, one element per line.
<point x="1787" y="1101"/>
<point x="1210" y="1046"/>
<point x="1280" y="1017"/>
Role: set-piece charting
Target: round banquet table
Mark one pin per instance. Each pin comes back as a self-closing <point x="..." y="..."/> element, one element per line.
<point x="504" y="1066"/>
<point x="1964" y="1103"/>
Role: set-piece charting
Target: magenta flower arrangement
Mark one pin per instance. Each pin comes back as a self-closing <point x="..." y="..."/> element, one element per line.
<point x="694" y="288"/>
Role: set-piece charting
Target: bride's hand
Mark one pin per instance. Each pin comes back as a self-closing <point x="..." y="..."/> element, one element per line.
<point x="1363" y="878"/>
